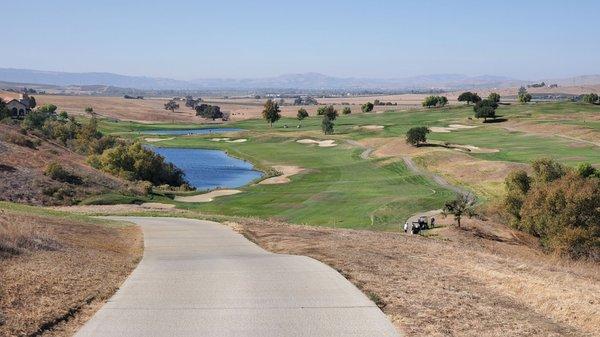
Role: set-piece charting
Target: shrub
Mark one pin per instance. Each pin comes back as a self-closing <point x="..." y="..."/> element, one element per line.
<point x="367" y="107"/>
<point x="21" y="140"/>
<point x="327" y="125"/>
<point x="56" y="172"/>
<point x="346" y="111"/>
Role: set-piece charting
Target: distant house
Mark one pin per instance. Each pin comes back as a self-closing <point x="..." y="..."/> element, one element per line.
<point x="20" y="107"/>
<point x="17" y="109"/>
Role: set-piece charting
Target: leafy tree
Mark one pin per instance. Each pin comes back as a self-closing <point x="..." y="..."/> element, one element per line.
<point x="485" y="112"/>
<point x="442" y="100"/>
<point x="89" y="110"/>
<point x="346" y="111"/>
<point x="518" y="184"/>
<point x="367" y="107"/>
<point x="171" y="105"/>
<point x="590" y="98"/>
<point x="494" y="97"/>
<point x="321" y="110"/>
<point x="586" y="170"/>
<point x="462" y="205"/>
<point x="547" y="170"/>
<point x="271" y="112"/>
<point x="417" y="135"/>
<point x="469" y="97"/>
<point x="209" y="111"/>
<point x="4" y="113"/>
<point x="327" y="125"/>
<point x="135" y="162"/>
<point x="430" y="101"/>
<point x="35" y="119"/>
<point x="329" y="111"/>
<point x="523" y="96"/>
<point x="302" y="114"/>
<point x="47" y="108"/>
<point x="565" y="215"/>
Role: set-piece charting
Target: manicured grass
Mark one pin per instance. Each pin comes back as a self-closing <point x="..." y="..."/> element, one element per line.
<point x="340" y="189"/>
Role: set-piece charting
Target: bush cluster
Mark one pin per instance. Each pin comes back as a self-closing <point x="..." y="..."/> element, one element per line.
<point x="561" y="206"/>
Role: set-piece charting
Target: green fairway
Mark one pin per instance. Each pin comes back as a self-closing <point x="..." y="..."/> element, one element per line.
<point x="341" y="189"/>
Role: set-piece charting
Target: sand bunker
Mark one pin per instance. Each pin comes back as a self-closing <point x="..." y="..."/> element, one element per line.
<point x="229" y="140"/>
<point x="321" y="143"/>
<point x="475" y="149"/>
<point x="451" y="127"/>
<point x="286" y="173"/>
<point x="154" y="140"/>
<point x="371" y="127"/>
<point x="207" y="197"/>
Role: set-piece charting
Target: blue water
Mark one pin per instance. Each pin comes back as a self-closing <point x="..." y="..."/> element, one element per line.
<point x="205" y="131"/>
<point x="210" y="169"/>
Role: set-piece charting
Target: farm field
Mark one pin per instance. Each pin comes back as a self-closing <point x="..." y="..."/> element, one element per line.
<point x="341" y="188"/>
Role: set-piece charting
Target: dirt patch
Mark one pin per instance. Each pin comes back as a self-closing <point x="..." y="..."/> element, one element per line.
<point x="474" y="149"/>
<point x="482" y="280"/>
<point x="155" y="140"/>
<point x="284" y="178"/>
<point x="117" y="209"/>
<point x="63" y="272"/>
<point x="207" y="197"/>
<point x="321" y="143"/>
<point x="451" y="127"/>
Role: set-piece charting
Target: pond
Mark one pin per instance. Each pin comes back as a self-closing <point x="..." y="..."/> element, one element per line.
<point x="210" y="169"/>
<point x="205" y="131"/>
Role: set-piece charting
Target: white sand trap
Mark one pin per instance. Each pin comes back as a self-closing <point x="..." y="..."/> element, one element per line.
<point x="154" y="140"/>
<point x="321" y="143"/>
<point x="207" y="197"/>
<point x="371" y="127"/>
<point x="286" y="173"/>
<point x="451" y="127"/>
<point x="157" y="205"/>
<point x="476" y="149"/>
<point x="229" y="140"/>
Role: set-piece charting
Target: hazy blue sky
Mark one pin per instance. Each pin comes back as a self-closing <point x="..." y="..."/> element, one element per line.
<point x="527" y="39"/>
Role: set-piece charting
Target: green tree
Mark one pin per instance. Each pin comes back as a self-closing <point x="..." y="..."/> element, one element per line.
<point x="518" y="184"/>
<point x="47" y="108"/>
<point x="546" y="170"/>
<point x="430" y="101"/>
<point x="89" y="110"/>
<point x="302" y="114"/>
<point x="367" y="107"/>
<point x="590" y="98"/>
<point x="330" y="112"/>
<point x="321" y="110"/>
<point x="4" y="113"/>
<point x="346" y="111"/>
<point x="494" y="97"/>
<point x="327" y="125"/>
<point x="171" y="105"/>
<point x="417" y="135"/>
<point x="586" y="170"/>
<point x="271" y="112"/>
<point x="469" y="97"/>
<point x="462" y="205"/>
<point x="523" y="96"/>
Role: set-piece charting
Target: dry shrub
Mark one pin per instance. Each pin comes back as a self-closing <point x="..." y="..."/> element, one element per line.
<point x="21" y="140"/>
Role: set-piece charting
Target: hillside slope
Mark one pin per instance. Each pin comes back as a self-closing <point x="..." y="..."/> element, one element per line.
<point x="23" y="160"/>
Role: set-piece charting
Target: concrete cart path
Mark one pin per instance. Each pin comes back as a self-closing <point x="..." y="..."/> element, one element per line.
<point x="200" y="278"/>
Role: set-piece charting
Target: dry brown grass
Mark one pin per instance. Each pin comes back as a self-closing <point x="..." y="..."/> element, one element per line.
<point x="57" y="272"/>
<point x="483" y="280"/>
<point x="22" y="170"/>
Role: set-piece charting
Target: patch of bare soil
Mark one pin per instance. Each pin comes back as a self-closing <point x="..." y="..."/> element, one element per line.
<point x="481" y="280"/>
<point x="286" y="172"/>
<point x="581" y="135"/>
<point x="55" y="273"/>
<point x="207" y="197"/>
<point x="117" y="209"/>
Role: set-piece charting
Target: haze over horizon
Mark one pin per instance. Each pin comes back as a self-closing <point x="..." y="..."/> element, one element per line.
<point x="188" y="40"/>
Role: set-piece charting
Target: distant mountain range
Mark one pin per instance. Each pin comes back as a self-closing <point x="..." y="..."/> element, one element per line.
<point x="306" y="81"/>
